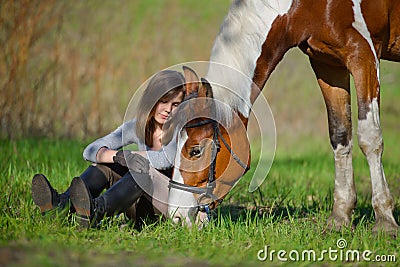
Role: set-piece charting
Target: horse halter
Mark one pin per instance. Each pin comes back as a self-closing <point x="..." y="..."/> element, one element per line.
<point x="207" y="192"/>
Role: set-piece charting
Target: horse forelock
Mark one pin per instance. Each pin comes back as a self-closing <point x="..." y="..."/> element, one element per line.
<point x="237" y="48"/>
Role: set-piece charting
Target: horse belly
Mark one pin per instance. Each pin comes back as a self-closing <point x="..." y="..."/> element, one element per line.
<point x="323" y="49"/>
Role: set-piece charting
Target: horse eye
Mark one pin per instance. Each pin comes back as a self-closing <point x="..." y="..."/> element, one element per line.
<point x="195" y="151"/>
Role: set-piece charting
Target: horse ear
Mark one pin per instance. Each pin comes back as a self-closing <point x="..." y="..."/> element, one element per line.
<point x="205" y="90"/>
<point x="191" y="79"/>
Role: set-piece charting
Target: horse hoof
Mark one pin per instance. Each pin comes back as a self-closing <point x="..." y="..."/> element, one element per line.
<point x="336" y="224"/>
<point x="386" y="227"/>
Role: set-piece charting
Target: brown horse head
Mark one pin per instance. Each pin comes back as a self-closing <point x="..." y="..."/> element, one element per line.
<point x="211" y="157"/>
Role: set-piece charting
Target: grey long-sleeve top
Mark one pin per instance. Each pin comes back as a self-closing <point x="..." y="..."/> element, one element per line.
<point x="125" y="135"/>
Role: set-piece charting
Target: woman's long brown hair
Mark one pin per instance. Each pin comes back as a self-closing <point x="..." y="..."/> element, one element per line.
<point x="163" y="86"/>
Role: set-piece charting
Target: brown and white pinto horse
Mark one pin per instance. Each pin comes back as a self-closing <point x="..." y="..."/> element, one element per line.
<point x="209" y="164"/>
<point x="341" y="38"/>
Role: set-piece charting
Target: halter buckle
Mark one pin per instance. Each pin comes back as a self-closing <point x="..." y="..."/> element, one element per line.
<point x="206" y="208"/>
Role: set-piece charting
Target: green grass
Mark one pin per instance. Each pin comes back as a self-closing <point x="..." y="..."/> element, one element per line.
<point x="287" y="213"/>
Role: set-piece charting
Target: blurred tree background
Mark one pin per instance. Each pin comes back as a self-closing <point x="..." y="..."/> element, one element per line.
<point x="69" y="68"/>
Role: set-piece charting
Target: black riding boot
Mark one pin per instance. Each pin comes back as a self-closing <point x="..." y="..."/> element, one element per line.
<point x="47" y="198"/>
<point x="116" y="199"/>
<point x="95" y="180"/>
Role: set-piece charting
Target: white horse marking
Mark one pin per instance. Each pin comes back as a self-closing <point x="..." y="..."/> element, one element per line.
<point x="345" y="192"/>
<point x="361" y="26"/>
<point x="371" y="143"/>
<point x="180" y="201"/>
<point x="239" y="45"/>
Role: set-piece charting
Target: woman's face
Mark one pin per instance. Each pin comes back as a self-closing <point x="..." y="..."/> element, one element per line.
<point x="164" y="108"/>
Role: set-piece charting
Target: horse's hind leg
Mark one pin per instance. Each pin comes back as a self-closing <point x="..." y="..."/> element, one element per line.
<point x="365" y="72"/>
<point x="335" y="86"/>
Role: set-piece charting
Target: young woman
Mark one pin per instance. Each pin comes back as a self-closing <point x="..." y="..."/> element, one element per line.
<point x="134" y="179"/>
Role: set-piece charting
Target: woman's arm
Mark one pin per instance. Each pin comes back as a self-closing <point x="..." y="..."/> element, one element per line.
<point x="105" y="155"/>
<point x="103" y="149"/>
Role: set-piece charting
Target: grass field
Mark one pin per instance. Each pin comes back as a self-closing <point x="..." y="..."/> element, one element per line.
<point x="287" y="213"/>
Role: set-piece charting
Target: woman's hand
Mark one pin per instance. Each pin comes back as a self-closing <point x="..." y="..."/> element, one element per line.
<point x="133" y="161"/>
